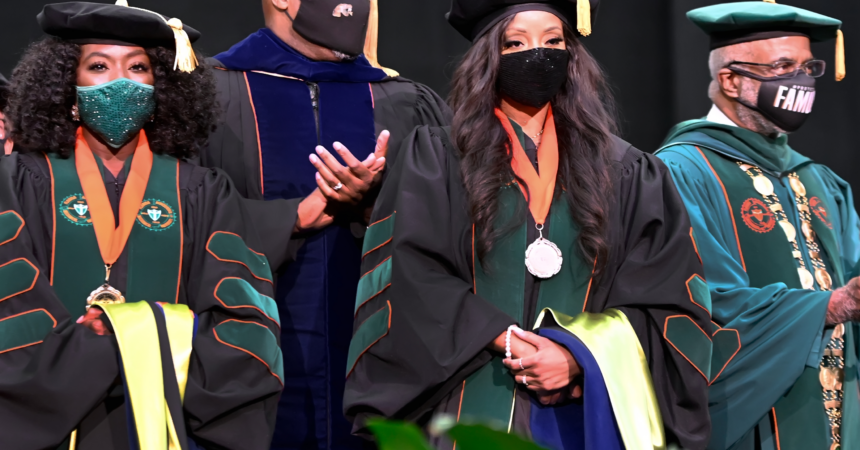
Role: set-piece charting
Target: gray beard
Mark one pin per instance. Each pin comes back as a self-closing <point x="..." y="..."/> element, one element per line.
<point x="343" y="57"/>
<point x="752" y="119"/>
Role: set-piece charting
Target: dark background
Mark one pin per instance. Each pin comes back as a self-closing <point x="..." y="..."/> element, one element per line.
<point x="655" y="59"/>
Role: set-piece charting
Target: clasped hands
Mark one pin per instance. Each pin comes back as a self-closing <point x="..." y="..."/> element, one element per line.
<point x="341" y="187"/>
<point x="549" y="369"/>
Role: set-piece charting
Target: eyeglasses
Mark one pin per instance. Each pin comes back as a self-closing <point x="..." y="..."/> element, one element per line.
<point x="785" y="69"/>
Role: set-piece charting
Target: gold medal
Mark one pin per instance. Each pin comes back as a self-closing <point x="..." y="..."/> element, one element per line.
<point x="831" y="378"/>
<point x="763" y="185"/>
<point x="105" y="295"/>
<point x="797" y="186"/>
<point x="823" y="279"/>
<point x="806" y="280"/>
<point x="807" y="230"/>
<point x="839" y="331"/>
<point x="832" y="404"/>
<point x="827" y="379"/>
<point x="790" y="231"/>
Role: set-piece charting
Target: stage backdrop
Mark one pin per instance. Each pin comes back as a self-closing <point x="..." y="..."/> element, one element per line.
<point x="655" y="59"/>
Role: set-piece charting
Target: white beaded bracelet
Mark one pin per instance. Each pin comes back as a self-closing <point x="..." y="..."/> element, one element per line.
<point x="508" y="341"/>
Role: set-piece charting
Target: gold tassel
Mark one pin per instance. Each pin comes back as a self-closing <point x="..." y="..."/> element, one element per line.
<point x="583" y="17"/>
<point x="840" y="56"/>
<point x="186" y="60"/>
<point x="370" y="43"/>
<point x="121" y="2"/>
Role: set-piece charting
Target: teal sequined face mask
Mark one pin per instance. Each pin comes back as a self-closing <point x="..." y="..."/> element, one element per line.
<point x="117" y="110"/>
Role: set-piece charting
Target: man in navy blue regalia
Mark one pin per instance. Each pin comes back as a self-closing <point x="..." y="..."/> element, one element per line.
<point x="308" y="83"/>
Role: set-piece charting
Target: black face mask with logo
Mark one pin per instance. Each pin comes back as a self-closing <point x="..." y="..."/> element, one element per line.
<point x="333" y="24"/>
<point x="787" y="102"/>
<point x="533" y="77"/>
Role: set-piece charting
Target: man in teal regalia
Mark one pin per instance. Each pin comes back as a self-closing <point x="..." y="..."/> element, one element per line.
<point x="778" y="235"/>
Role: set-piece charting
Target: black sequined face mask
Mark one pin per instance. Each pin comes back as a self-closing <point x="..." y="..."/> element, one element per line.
<point x="533" y="77"/>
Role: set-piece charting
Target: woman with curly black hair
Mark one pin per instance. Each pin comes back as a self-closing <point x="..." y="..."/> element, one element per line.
<point x="135" y="289"/>
<point x="530" y="213"/>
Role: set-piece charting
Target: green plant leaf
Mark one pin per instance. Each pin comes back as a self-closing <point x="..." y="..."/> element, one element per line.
<point x="391" y="435"/>
<point x="481" y="437"/>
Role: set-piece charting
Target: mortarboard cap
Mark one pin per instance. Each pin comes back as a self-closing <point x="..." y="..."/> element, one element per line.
<point x="473" y="18"/>
<point x="119" y="24"/>
<point x="739" y="22"/>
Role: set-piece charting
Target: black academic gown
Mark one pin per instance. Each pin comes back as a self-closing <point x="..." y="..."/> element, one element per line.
<point x="434" y="330"/>
<point x="399" y="105"/>
<point x="277" y="107"/>
<point x="71" y="379"/>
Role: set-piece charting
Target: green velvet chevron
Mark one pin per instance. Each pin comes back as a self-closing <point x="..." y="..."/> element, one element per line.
<point x="699" y="293"/>
<point x="10" y="226"/>
<point x="727" y="343"/>
<point x="379" y="234"/>
<point x="17" y="277"/>
<point x="229" y="247"/>
<point x="369" y="332"/>
<point x="238" y="293"/>
<point x="372" y="283"/>
<point x="254" y="339"/>
<point x="25" y="329"/>
<point x="691" y="342"/>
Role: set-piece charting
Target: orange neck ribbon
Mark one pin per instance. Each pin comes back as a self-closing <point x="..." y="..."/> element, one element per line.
<point x="112" y="240"/>
<point x="541" y="188"/>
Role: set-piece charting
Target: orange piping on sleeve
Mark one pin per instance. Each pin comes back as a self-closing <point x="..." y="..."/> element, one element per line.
<point x="730" y="358"/>
<point x="35" y="279"/>
<point x="590" y="280"/>
<point x="18" y="233"/>
<point x="729" y="205"/>
<point x="181" y="233"/>
<point x="374" y="342"/>
<point x="665" y="328"/>
<point x="54" y="219"/>
<point x="215" y="332"/>
<point x="257" y="126"/>
<point x="230" y="260"/>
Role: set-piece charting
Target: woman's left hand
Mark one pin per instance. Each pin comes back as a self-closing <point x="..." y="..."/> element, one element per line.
<point x="552" y="368"/>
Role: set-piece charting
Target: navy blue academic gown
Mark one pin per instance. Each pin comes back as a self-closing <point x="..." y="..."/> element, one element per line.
<point x="278" y="106"/>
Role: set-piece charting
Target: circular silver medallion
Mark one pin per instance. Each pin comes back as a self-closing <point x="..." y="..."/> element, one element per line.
<point x="543" y="258"/>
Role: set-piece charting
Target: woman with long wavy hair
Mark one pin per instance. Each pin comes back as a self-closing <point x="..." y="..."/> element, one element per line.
<point x="528" y="268"/>
<point x="111" y="245"/>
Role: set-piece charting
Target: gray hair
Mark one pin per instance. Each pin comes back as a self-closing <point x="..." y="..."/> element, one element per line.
<point x="719" y="59"/>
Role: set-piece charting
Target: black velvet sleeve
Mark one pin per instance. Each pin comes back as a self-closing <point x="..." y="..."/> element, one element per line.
<point x="232" y="147"/>
<point x="401" y="105"/>
<point x="652" y="260"/>
<point x="49" y="383"/>
<point x="438" y="329"/>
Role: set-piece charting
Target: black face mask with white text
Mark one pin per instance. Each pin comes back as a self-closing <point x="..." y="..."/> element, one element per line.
<point x="787" y="102"/>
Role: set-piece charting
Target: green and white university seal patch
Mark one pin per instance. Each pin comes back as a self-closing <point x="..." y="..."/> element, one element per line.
<point x="74" y="208"/>
<point x="156" y="215"/>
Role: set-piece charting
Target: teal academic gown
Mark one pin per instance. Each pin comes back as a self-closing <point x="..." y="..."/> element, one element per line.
<point x="770" y="334"/>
